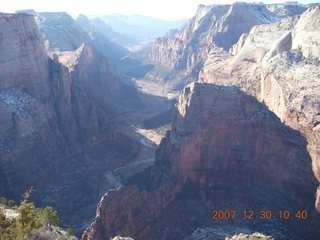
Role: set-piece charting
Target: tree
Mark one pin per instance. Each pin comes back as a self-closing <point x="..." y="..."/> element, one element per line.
<point x="28" y="193"/>
<point x="49" y="216"/>
<point x="28" y="220"/>
<point x="3" y="201"/>
<point x="11" y="203"/>
<point x="69" y="232"/>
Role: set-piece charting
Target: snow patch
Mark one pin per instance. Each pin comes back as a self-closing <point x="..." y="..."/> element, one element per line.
<point x="18" y="101"/>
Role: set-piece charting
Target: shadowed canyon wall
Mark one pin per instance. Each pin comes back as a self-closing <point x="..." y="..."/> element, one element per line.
<point x="55" y="132"/>
<point x="224" y="147"/>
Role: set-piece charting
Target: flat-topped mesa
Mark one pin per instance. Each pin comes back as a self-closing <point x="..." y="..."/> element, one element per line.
<point x="217" y="25"/>
<point x="23" y="59"/>
<point x="225" y="149"/>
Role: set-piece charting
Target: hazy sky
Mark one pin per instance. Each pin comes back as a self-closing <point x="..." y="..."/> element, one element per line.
<point x="165" y="9"/>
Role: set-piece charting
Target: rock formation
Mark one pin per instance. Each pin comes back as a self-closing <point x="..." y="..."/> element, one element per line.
<point x="107" y="31"/>
<point x="100" y="39"/>
<point x="225" y="150"/>
<point x="217" y="25"/>
<point x="56" y="129"/>
<point x="62" y="33"/>
<point x="278" y="63"/>
<point x="214" y="30"/>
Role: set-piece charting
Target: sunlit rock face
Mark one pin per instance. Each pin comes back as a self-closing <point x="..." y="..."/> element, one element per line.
<point x="278" y="64"/>
<point x="225" y="149"/>
<point x="212" y="26"/>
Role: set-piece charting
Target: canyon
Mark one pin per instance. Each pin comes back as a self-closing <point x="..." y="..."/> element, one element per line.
<point x="214" y="158"/>
<point x="222" y="115"/>
<point x="55" y="123"/>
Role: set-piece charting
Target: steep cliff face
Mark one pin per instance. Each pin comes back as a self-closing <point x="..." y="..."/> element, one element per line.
<point x="277" y="63"/>
<point x="217" y="25"/>
<point x="55" y="132"/>
<point x="24" y="62"/>
<point x="225" y="150"/>
<point x="241" y="66"/>
<point x="25" y="85"/>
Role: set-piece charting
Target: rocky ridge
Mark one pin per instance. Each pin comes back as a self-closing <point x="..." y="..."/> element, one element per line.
<point x="61" y="33"/>
<point x="100" y="40"/>
<point x="212" y="26"/>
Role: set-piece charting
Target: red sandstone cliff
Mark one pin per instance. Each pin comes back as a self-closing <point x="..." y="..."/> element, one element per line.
<point x="224" y="149"/>
<point x="55" y="130"/>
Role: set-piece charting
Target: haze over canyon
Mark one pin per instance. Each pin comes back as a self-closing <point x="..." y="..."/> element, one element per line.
<point x="138" y="127"/>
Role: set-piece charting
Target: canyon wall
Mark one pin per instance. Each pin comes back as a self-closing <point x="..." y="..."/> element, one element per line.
<point x="225" y="149"/>
<point x="56" y="128"/>
<point x="216" y="25"/>
<point x="278" y="64"/>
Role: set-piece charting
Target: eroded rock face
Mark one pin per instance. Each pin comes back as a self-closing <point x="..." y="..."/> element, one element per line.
<point x="241" y="66"/>
<point x="55" y="132"/>
<point x="277" y="63"/>
<point x="217" y="25"/>
<point x="225" y="149"/>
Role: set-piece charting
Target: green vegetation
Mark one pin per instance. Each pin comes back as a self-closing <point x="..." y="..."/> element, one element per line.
<point x="25" y="219"/>
<point x="69" y="232"/>
<point x="11" y="203"/>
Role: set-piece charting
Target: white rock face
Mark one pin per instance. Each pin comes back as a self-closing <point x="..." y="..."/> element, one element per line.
<point x="306" y="33"/>
<point x="212" y="26"/>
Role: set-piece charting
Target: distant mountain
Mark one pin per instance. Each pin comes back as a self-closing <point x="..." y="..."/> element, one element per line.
<point x="60" y="31"/>
<point x="146" y="21"/>
<point x="107" y="30"/>
<point x="109" y="48"/>
<point x="139" y="26"/>
<point x="287" y="9"/>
